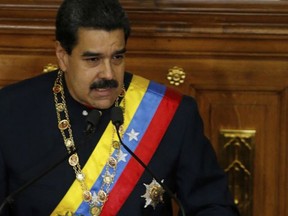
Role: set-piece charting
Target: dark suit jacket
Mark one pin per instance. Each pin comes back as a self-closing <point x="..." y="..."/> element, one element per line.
<point x="30" y="142"/>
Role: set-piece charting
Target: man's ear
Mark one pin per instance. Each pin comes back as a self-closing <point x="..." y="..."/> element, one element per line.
<point x="62" y="56"/>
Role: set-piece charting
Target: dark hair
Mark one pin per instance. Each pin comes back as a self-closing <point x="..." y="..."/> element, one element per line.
<point x="94" y="14"/>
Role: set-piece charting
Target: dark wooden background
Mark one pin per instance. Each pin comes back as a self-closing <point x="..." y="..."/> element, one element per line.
<point x="234" y="54"/>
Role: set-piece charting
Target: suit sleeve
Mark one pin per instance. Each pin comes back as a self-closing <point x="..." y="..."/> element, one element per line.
<point x="201" y="183"/>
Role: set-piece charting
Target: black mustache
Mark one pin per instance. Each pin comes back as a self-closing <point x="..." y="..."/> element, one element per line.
<point x="104" y="83"/>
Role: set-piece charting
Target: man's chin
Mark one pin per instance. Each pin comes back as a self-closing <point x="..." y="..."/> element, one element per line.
<point x="102" y="104"/>
<point x="103" y="99"/>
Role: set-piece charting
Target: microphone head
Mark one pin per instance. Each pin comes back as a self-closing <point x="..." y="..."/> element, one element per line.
<point x="117" y="116"/>
<point x="92" y="120"/>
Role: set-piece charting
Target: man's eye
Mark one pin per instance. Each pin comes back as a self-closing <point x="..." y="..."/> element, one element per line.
<point x="120" y="56"/>
<point x="94" y="59"/>
<point x="117" y="59"/>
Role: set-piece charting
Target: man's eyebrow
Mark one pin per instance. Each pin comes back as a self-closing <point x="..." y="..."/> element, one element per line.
<point x="90" y="54"/>
<point x="93" y="54"/>
<point x="121" y="51"/>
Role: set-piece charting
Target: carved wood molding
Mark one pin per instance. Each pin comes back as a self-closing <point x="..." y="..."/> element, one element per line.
<point x="177" y="18"/>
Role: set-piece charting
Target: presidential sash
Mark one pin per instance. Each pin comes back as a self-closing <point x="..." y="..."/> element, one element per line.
<point x="147" y="104"/>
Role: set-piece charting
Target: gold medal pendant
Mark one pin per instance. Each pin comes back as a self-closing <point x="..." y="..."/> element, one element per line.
<point x="154" y="194"/>
<point x="95" y="210"/>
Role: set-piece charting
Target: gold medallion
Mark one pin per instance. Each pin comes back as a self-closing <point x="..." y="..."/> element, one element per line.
<point x="121" y="129"/>
<point x="95" y="210"/>
<point x="60" y="107"/>
<point x="116" y="144"/>
<point x="73" y="160"/>
<point x="57" y="88"/>
<point x="63" y="125"/>
<point x="102" y="196"/>
<point x="68" y="142"/>
<point x="80" y="177"/>
<point x="112" y="162"/>
<point x="87" y="196"/>
<point x="108" y="178"/>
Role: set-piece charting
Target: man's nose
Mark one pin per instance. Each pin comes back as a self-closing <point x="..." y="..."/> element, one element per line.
<point x="107" y="69"/>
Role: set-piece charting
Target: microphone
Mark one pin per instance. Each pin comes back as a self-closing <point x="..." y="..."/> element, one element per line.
<point x="117" y="117"/>
<point x="92" y="121"/>
<point x="117" y="120"/>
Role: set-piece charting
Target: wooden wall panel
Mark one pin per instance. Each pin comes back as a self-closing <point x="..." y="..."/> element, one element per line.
<point x="15" y="67"/>
<point x="242" y="110"/>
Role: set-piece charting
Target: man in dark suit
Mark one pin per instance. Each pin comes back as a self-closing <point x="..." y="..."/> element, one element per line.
<point x="164" y="153"/>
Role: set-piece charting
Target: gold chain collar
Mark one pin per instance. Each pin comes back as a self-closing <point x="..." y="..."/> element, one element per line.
<point x="95" y="200"/>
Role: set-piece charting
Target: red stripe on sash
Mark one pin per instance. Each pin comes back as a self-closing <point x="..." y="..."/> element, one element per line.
<point x="144" y="151"/>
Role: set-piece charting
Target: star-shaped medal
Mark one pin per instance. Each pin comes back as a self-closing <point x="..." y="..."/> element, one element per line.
<point x="154" y="194"/>
<point x="95" y="201"/>
<point x="108" y="177"/>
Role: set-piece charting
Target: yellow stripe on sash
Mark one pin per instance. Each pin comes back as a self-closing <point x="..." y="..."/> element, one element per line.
<point x="95" y="164"/>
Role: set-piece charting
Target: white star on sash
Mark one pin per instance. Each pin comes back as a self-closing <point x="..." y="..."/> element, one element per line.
<point x="95" y="198"/>
<point x="133" y="135"/>
<point x="122" y="156"/>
